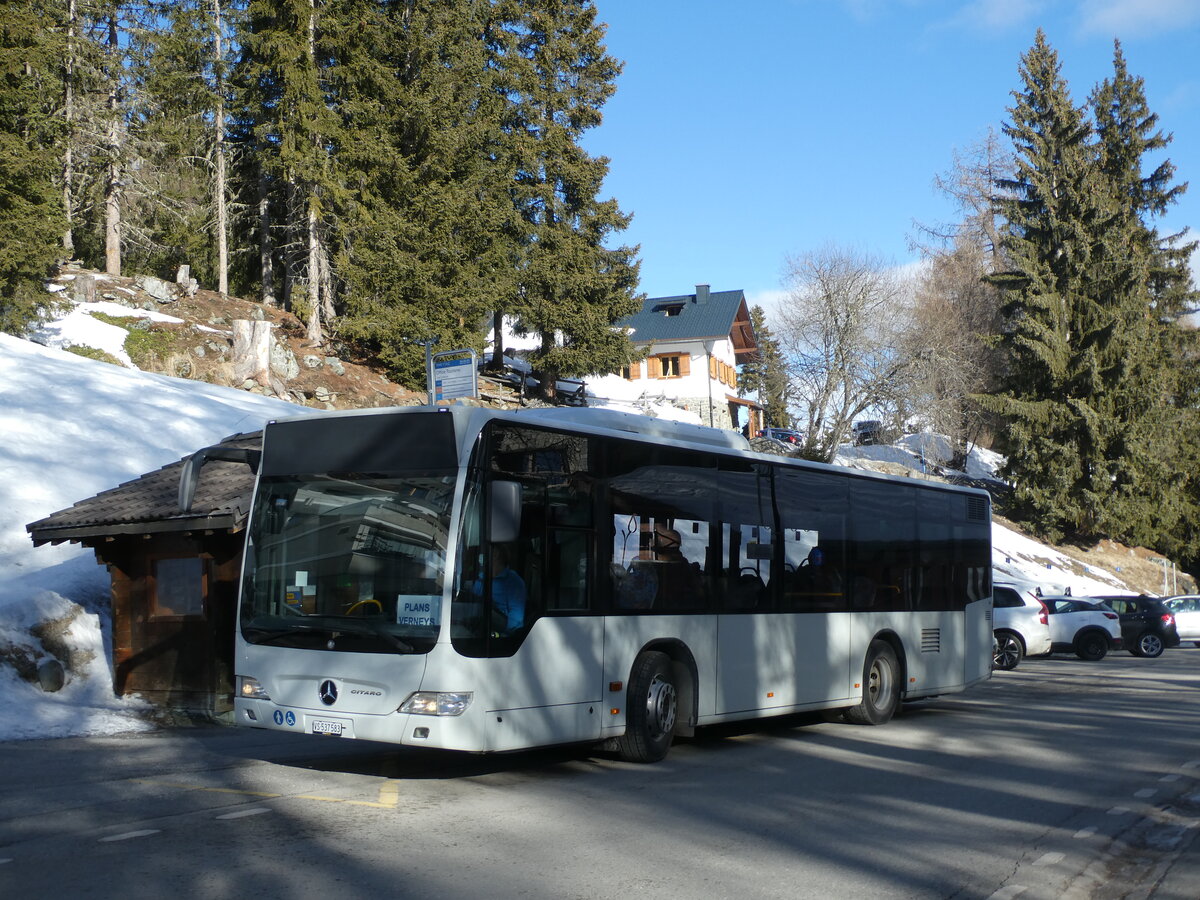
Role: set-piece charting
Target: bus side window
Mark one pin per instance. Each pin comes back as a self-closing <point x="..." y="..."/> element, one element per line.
<point x="747" y="536"/>
<point x="634" y="585"/>
<point x="884" y="535"/>
<point x="569" y="549"/>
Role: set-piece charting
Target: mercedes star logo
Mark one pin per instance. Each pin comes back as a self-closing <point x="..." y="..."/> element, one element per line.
<point x="328" y="692"/>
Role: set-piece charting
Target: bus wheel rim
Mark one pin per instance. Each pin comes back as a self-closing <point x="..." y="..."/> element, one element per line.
<point x="878" y="685"/>
<point x="660" y="706"/>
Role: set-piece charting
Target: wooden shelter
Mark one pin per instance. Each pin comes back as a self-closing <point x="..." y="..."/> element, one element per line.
<point x="174" y="577"/>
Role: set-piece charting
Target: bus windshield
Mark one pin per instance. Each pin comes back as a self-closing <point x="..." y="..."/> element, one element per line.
<point x="347" y="563"/>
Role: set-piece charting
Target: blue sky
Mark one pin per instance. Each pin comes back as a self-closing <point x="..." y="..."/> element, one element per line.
<point x="742" y="133"/>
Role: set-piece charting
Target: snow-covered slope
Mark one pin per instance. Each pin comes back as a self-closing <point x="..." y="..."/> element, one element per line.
<point x="71" y="427"/>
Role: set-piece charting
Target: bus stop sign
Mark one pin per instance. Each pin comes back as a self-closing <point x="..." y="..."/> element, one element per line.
<point x="452" y="374"/>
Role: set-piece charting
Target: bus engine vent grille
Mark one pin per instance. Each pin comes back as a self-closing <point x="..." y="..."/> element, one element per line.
<point x="988" y="616"/>
<point x="977" y="509"/>
<point x="931" y="640"/>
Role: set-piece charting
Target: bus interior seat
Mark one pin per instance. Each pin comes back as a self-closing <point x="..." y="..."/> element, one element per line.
<point x="745" y="591"/>
<point x="635" y="587"/>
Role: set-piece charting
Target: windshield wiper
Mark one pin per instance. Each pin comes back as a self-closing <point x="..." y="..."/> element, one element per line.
<point x="366" y="630"/>
<point x="271" y="636"/>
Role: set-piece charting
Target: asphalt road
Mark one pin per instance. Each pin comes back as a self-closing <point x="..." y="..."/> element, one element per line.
<point x="1062" y="779"/>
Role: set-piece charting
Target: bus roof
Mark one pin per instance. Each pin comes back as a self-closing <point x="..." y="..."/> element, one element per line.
<point x="472" y="419"/>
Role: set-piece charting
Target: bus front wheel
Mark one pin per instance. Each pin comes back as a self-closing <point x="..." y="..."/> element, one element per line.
<point x="880" y="686"/>
<point x="651" y="707"/>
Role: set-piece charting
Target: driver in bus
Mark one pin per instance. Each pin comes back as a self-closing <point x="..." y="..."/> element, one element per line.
<point x="508" y="592"/>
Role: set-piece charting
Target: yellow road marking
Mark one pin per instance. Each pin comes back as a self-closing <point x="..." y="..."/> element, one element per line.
<point x="389" y="793"/>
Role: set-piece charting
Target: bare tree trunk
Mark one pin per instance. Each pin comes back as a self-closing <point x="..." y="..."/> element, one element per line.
<point x="68" y="172"/>
<point x="252" y="351"/>
<point x="314" y="248"/>
<point x="497" y="362"/>
<point x="314" y="279"/>
<point x="327" y="309"/>
<point x="266" y="259"/>
<point x="219" y="148"/>
<point x="112" y="184"/>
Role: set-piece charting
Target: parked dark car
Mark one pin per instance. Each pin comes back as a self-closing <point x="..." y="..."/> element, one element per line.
<point x="1147" y="623"/>
<point x="787" y="435"/>
<point x="869" y="431"/>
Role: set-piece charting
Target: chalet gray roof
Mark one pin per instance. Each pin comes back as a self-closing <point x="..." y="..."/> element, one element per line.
<point x="704" y="315"/>
<point x="150" y="504"/>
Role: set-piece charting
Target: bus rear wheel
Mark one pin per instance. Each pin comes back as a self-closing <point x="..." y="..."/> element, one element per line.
<point x="652" y="704"/>
<point x="880" y="686"/>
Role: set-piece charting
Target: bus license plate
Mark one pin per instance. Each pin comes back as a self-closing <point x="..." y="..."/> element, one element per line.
<point x="320" y="727"/>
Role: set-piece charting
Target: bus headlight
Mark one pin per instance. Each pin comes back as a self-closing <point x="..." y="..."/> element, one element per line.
<point x="437" y="703"/>
<point x="250" y="689"/>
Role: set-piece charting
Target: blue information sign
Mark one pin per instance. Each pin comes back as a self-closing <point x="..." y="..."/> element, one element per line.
<point x="454" y="375"/>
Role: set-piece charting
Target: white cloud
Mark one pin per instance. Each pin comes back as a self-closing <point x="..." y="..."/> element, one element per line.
<point x="998" y="15"/>
<point x="1003" y="14"/>
<point x="770" y="300"/>
<point x="1126" y="18"/>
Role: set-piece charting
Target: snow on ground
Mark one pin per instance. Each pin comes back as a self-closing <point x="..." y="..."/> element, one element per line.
<point x="80" y="328"/>
<point x="921" y="452"/>
<point x="71" y="427"/>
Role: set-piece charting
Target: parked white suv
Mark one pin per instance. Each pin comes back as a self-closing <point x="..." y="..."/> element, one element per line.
<point x="1083" y="626"/>
<point x="1020" y="624"/>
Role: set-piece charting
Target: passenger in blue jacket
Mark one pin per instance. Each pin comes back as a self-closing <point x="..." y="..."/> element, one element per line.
<point x="508" y="592"/>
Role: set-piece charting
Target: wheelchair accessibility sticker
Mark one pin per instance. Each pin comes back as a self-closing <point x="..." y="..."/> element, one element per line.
<point x="280" y="717"/>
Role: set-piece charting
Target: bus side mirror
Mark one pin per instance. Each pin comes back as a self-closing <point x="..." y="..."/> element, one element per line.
<point x="189" y="476"/>
<point x="504" y="501"/>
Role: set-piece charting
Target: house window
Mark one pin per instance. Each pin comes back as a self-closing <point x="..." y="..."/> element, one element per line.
<point x="632" y="372"/>
<point x="669" y="365"/>
<point x="178" y="587"/>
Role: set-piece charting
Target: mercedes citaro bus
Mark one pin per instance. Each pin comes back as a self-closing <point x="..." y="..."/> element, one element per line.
<point x="488" y="581"/>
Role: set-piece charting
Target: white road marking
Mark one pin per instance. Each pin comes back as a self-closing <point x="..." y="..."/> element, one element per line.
<point x="1049" y="859"/>
<point x="242" y="813"/>
<point x="1008" y="892"/>
<point x="1085" y="832"/>
<point x="1118" y="810"/>
<point x="128" y="835"/>
<point x="1146" y="793"/>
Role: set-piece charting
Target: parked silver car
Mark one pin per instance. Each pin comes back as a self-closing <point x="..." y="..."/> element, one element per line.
<point x="1019" y="623"/>
<point x="1186" y="608"/>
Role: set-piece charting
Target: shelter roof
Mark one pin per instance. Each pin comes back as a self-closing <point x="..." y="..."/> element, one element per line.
<point x="150" y="504"/>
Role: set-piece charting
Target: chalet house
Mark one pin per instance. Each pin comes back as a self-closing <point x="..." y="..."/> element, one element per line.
<point x="693" y="345"/>
<point x="174" y="577"/>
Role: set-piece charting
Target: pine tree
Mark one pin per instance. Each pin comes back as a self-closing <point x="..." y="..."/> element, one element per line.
<point x="424" y="247"/>
<point x="571" y="287"/>
<point x="765" y="376"/>
<point x="1153" y="497"/>
<point x="98" y="162"/>
<point x="31" y="219"/>
<point x="1060" y="310"/>
<point x="290" y="118"/>
<point x="173" y="211"/>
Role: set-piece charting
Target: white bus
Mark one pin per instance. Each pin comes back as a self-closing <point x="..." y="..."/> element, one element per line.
<point x="651" y="578"/>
